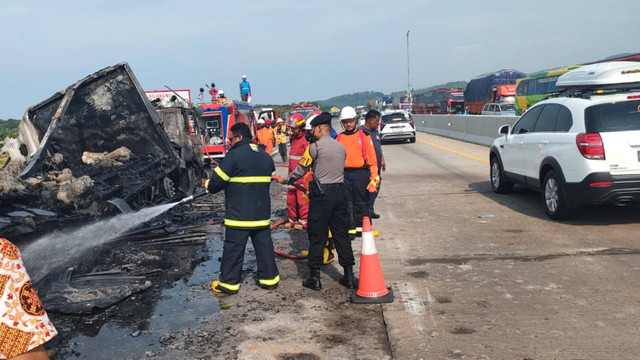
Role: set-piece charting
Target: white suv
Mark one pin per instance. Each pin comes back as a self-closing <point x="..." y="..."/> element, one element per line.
<point x="397" y="125"/>
<point x="579" y="149"/>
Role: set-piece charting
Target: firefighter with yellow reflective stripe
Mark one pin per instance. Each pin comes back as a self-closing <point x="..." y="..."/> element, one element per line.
<point x="245" y="175"/>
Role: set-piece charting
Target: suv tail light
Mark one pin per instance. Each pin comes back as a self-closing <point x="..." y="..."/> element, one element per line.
<point x="412" y="123"/>
<point x="590" y="146"/>
<point x="382" y="124"/>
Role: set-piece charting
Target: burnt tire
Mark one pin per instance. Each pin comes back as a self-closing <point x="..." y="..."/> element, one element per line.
<point x="553" y="197"/>
<point x="499" y="182"/>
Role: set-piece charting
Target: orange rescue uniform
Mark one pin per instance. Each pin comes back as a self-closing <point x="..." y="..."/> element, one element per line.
<point x="266" y="138"/>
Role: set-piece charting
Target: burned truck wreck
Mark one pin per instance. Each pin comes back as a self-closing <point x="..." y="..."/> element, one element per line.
<point x="95" y="148"/>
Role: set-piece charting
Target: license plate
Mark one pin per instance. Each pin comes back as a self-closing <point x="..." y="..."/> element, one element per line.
<point x="399" y="129"/>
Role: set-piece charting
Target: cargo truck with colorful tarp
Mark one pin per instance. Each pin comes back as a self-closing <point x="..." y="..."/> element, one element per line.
<point x="493" y="87"/>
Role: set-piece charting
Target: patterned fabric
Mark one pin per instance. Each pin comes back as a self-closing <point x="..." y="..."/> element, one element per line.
<point x="24" y="323"/>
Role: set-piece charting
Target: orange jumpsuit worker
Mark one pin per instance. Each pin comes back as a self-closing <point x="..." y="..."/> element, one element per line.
<point x="360" y="168"/>
<point x="265" y="137"/>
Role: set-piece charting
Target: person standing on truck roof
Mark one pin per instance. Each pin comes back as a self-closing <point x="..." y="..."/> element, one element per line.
<point x="221" y="96"/>
<point x="213" y="92"/>
<point x="360" y="168"/>
<point x="245" y="89"/>
<point x="370" y="127"/>
<point x="328" y="202"/>
<point x="281" y="139"/>
<point x="245" y="175"/>
<point x="265" y="136"/>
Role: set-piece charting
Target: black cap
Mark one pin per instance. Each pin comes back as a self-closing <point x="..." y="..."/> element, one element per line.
<point x="323" y="118"/>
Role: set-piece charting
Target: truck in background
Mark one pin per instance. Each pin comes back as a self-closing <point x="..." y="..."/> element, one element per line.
<point x="439" y="101"/>
<point x="493" y="87"/>
<point x="305" y="109"/>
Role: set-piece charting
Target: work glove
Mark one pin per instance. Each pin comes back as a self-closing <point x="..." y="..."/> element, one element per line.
<point x="373" y="184"/>
<point x="206" y="185"/>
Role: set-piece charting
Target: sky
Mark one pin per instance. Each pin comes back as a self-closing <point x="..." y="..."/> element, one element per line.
<point x="293" y="51"/>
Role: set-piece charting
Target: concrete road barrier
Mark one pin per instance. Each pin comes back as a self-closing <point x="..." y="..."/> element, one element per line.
<point x="477" y="129"/>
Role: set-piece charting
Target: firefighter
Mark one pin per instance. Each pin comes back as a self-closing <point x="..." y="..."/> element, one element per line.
<point x="281" y="139"/>
<point x="265" y="136"/>
<point x="245" y="175"/>
<point x="328" y="202"/>
<point x="360" y="169"/>
<point x="213" y="92"/>
<point x="297" y="203"/>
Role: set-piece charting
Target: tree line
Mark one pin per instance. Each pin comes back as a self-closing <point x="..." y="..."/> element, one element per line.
<point x="9" y="128"/>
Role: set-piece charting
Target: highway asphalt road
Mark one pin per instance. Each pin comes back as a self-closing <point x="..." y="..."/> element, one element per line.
<point x="479" y="275"/>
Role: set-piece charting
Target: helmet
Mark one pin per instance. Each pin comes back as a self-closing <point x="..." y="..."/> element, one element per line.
<point x="295" y="120"/>
<point x="244" y="76"/>
<point x="220" y="92"/>
<point x="279" y="120"/>
<point x="213" y="85"/>
<point x="307" y="125"/>
<point x="348" y="113"/>
<point x="260" y="121"/>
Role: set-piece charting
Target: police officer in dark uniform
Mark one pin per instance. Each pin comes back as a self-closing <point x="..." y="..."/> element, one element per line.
<point x="328" y="201"/>
<point x="245" y="175"/>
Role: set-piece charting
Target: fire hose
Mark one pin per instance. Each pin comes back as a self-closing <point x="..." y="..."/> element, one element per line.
<point x="280" y="222"/>
<point x="276" y="251"/>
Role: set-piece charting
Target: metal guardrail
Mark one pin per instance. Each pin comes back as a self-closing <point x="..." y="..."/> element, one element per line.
<point x="477" y="129"/>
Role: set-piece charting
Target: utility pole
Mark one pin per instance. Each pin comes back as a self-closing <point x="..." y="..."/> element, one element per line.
<point x="409" y="96"/>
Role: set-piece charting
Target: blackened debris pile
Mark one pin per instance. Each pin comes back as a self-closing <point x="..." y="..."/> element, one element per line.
<point x="97" y="140"/>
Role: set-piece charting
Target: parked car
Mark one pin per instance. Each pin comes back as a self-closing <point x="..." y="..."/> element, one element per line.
<point x="582" y="149"/>
<point x="397" y="125"/>
<point x="361" y="118"/>
<point x="500" y="109"/>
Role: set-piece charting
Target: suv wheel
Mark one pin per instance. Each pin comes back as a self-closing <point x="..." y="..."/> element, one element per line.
<point x="553" y="198"/>
<point x="499" y="181"/>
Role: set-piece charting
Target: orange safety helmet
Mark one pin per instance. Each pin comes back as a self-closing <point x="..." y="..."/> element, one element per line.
<point x="295" y="120"/>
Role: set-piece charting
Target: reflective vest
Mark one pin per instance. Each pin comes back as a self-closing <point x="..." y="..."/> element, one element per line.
<point x="245" y="88"/>
<point x="245" y="175"/>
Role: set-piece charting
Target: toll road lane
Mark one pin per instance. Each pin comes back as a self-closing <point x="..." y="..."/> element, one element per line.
<point x="482" y="275"/>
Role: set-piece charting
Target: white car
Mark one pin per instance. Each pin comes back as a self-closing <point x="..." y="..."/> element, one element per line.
<point x="579" y="149"/>
<point x="397" y="125"/>
<point x="499" y="109"/>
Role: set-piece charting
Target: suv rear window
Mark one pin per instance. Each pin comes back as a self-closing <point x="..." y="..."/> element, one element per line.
<point x="394" y="118"/>
<point x="618" y="116"/>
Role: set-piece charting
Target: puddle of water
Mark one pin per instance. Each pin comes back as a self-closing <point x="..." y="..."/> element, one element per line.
<point x="185" y="305"/>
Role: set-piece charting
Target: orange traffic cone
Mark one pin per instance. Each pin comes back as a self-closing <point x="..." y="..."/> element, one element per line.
<point x="371" y="287"/>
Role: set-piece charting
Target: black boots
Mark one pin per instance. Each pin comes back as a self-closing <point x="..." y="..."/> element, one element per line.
<point x="313" y="282"/>
<point x="348" y="280"/>
<point x="373" y="214"/>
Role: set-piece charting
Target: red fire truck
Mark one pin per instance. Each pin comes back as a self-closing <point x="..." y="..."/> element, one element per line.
<point x="216" y="120"/>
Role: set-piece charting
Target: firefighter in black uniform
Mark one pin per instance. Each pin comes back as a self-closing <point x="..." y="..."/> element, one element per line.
<point x="245" y="174"/>
<point x="327" y="201"/>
